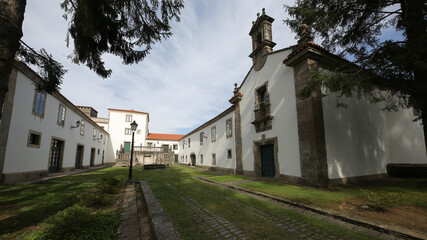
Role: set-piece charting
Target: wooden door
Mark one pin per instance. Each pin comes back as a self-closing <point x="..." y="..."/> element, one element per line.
<point x="55" y="156"/>
<point x="127" y="147"/>
<point x="267" y="161"/>
<point x="92" y="157"/>
<point x="79" y="157"/>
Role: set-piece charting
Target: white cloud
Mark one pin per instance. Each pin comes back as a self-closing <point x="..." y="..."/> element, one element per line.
<point x="185" y="81"/>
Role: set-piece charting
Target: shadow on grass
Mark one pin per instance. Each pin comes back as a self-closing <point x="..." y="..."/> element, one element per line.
<point x="31" y="204"/>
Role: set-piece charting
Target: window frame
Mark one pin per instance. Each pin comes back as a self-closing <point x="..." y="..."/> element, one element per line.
<point x="32" y="132"/>
<point x="229" y="124"/>
<point x="229" y="153"/>
<point x="213" y="134"/>
<point x="61" y="117"/>
<point x="94" y="134"/>
<point x="41" y="115"/>
<point x="129" y="116"/>
<point x="82" y="127"/>
<point x="213" y="159"/>
<point x="126" y="131"/>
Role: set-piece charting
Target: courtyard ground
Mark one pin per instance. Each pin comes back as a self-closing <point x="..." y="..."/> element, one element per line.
<point x="198" y="210"/>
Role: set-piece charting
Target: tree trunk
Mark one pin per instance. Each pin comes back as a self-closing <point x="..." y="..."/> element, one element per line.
<point x="415" y="29"/>
<point x="11" y="18"/>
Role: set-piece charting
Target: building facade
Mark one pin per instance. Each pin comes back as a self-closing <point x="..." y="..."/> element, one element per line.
<point x="43" y="133"/>
<point x="269" y="132"/>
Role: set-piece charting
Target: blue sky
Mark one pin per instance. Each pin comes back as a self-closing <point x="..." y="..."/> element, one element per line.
<point x="185" y="81"/>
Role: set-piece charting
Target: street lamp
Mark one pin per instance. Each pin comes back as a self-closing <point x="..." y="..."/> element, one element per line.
<point x="133" y="126"/>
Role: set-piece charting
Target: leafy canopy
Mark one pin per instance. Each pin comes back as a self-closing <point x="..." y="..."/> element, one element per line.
<point x="355" y="30"/>
<point x="125" y="28"/>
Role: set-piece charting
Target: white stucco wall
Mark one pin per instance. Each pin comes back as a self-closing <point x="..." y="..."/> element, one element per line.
<point x="117" y="125"/>
<point x="362" y="139"/>
<point x="219" y="147"/>
<point x="406" y="138"/>
<point x="21" y="158"/>
<point x="281" y="88"/>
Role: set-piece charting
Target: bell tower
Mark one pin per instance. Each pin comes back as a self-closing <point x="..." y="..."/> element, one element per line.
<point x="262" y="39"/>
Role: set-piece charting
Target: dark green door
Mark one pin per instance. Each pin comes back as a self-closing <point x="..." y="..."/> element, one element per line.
<point x="193" y="159"/>
<point x="176" y="158"/>
<point x="127" y="147"/>
<point x="267" y="161"/>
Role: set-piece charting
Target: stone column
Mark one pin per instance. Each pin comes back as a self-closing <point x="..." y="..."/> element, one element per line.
<point x="235" y="100"/>
<point x="314" y="166"/>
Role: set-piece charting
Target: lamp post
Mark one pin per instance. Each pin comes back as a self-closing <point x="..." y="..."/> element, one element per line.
<point x="133" y="126"/>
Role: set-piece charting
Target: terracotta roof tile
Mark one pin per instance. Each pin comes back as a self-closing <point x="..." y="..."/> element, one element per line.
<point x="163" y="136"/>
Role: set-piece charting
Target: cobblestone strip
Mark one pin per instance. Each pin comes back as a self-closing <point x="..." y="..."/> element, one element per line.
<point x="296" y="227"/>
<point x="216" y="226"/>
<point x="129" y="227"/>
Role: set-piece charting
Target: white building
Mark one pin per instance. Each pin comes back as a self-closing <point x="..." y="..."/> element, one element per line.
<point x="269" y="132"/>
<point x="119" y="121"/>
<point x="168" y="141"/>
<point x="42" y="133"/>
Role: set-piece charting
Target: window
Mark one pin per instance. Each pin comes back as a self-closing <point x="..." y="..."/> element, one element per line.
<point x="149" y="144"/>
<point x="189" y="142"/>
<point x="202" y="134"/>
<point x="39" y="103"/>
<point x="185" y="158"/>
<point x="263" y="119"/>
<point x="94" y="134"/>
<point x="34" y="139"/>
<point x="61" y="115"/>
<point x="213" y="159"/>
<point x="228" y="128"/>
<point x="201" y="158"/>
<point x="100" y="137"/>
<point x="213" y="134"/>
<point x="128" y="131"/>
<point x="128" y="118"/>
<point x="98" y="151"/>
<point x="175" y="147"/>
<point x="82" y="127"/>
<point x="229" y="154"/>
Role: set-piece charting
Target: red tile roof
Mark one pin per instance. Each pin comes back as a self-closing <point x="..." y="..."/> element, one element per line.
<point x="132" y="111"/>
<point x="162" y="136"/>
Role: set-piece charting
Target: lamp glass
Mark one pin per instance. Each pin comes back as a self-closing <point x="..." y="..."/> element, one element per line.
<point x="133" y="126"/>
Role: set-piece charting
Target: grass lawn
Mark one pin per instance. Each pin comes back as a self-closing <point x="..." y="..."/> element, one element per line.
<point x="23" y="207"/>
<point x="227" y="178"/>
<point x="404" y="201"/>
<point x="413" y="192"/>
<point x="176" y="189"/>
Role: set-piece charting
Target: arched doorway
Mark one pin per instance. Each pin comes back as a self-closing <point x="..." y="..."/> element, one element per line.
<point x="193" y="159"/>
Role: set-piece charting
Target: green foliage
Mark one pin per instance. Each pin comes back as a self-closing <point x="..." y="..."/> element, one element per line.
<point x="110" y="184"/>
<point x="77" y="222"/>
<point x="126" y="28"/>
<point x="382" y="201"/>
<point x="95" y="199"/>
<point x="50" y="70"/>
<point x="395" y="63"/>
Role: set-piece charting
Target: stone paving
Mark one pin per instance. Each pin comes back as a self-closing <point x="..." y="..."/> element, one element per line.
<point x="216" y="226"/>
<point x="219" y="228"/>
